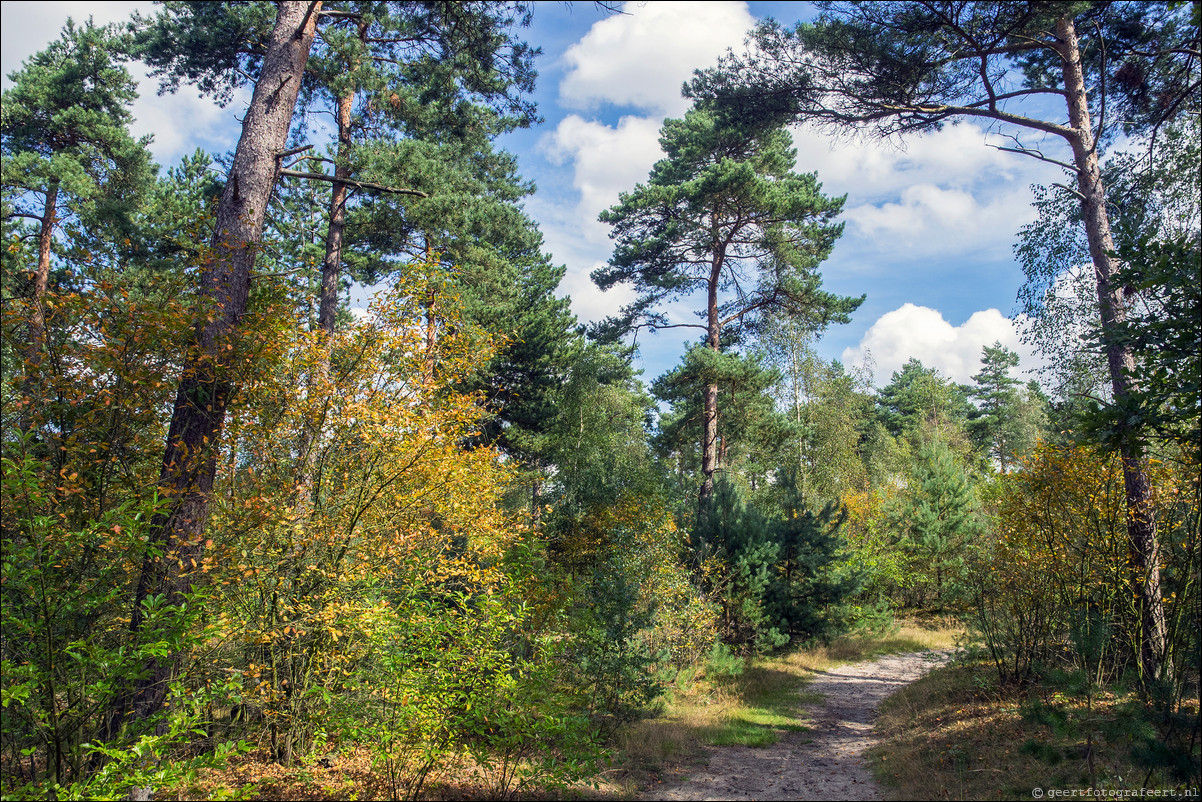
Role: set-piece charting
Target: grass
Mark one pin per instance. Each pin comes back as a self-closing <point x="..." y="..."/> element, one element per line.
<point x="753" y="708"/>
<point x="955" y="735"/>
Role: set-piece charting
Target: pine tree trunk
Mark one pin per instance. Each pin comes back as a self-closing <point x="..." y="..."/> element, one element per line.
<point x="1141" y="517"/>
<point x="34" y="348"/>
<point x="331" y="266"/>
<point x="41" y="278"/>
<point x="709" y="423"/>
<point x="428" y="363"/>
<point x="190" y="458"/>
<point x="327" y="305"/>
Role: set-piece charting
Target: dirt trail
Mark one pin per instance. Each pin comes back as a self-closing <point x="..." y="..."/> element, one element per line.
<point x="822" y="764"/>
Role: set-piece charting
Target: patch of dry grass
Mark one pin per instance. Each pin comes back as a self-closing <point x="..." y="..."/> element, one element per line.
<point x="753" y="708"/>
<point x="954" y="735"/>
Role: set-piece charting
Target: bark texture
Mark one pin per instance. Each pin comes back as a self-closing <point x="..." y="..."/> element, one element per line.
<point x="41" y="277"/>
<point x="709" y="423"/>
<point x="190" y="458"/>
<point x="1141" y="518"/>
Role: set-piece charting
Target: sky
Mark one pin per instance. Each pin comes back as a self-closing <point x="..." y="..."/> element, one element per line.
<point x="930" y="222"/>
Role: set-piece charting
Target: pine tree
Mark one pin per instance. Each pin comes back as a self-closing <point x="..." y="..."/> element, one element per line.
<point x="723" y="213"/>
<point x="919" y="397"/>
<point x="753" y="431"/>
<point x="810" y="580"/>
<point x="893" y="68"/>
<point x="935" y="516"/>
<point x="997" y="393"/>
<point x="67" y="153"/>
<point x="190" y="457"/>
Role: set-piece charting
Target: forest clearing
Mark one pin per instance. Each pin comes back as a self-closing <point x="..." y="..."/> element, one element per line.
<point x="317" y="483"/>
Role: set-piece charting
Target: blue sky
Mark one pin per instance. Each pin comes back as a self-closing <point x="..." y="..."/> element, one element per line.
<point x="930" y="223"/>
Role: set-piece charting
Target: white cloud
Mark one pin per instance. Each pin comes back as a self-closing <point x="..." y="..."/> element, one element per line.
<point x="178" y="122"/>
<point x="606" y="161"/>
<point x="641" y="57"/>
<point x="957" y="156"/>
<point x="26" y="28"/>
<point x="946" y="193"/>
<point x="927" y="219"/>
<point x="922" y="333"/>
<point x="182" y="121"/>
<point x="588" y="301"/>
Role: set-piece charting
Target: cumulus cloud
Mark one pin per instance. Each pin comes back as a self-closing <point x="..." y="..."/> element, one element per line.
<point x="588" y="301"/>
<point x="922" y="333"/>
<point x="606" y="160"/>
<point x="641" y="57"/>
<point x="956" y="156"/>
<point x="945" y="193"/>
<point x="181" y="121"/>
<point x="177" y="122"/>
<point x="928" y="219"/>
<point x="29" y="27"/>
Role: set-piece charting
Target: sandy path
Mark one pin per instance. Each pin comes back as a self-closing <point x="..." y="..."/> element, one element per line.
<point x="822" y="764"/>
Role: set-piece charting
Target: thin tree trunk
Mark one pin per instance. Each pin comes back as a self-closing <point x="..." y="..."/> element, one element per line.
<point x="34" y="349"/>
<point x="709" y="422"/>
<point x="431" y="335"/>
<point x="41" y="279"/>
<point x="190" y="459"/>
<point x="428" y="363"/>
<point x="1141" y="517"/>
<point x="331" y="266"/>
<point x="327" y="307"/>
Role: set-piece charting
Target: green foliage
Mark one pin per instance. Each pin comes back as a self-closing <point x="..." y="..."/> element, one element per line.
<point x="918" y="397"/>
<point x="752" y="431"/>
<point x="443" y="678"/>
<point x="829" y="409"/>
<point x="1158" y="244"/>
<point x="779" y="570"/>
<point x="64" y="124"/>
<point x="1156" y="227"/>
<point x="813" y="580"/>
<point x="722" y="184"/>
<point x="723" y="213"/>
<point x="995" y="390"/>
<point x="893" y="67"/>
<point x="934" y="518"/>
<point x="597" y="435"/>
<point x="634" y="615"/>
<point x="1052" y="583"/>
<point x="66" y="644"/>
<point x="737" y="570"/>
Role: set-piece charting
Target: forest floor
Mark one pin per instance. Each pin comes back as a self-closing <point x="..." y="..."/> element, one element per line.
<point x="825" y="760"/>
<point x="789" y="726"/>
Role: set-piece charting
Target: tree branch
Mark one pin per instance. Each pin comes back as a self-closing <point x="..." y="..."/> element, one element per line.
<point x="313" y="4"/>
<point x="283" y="154"/>
<point x="1034" y="154"/>
<point x="417" y="193"/>
<point x="340" y="14"/>
<point x="39" y="218"/>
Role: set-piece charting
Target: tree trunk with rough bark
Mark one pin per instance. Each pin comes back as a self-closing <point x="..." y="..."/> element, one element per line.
<point x="327" y="306"/>
<point x="34" y="348"/>
<point x="709" y="422"/>
<point x="1143" y="547"/>
<point x="41" y="277"/>
<point x="190" y="458"/>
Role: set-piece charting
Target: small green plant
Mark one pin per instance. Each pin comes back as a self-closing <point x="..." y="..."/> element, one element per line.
<point x="722" y="662"/>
